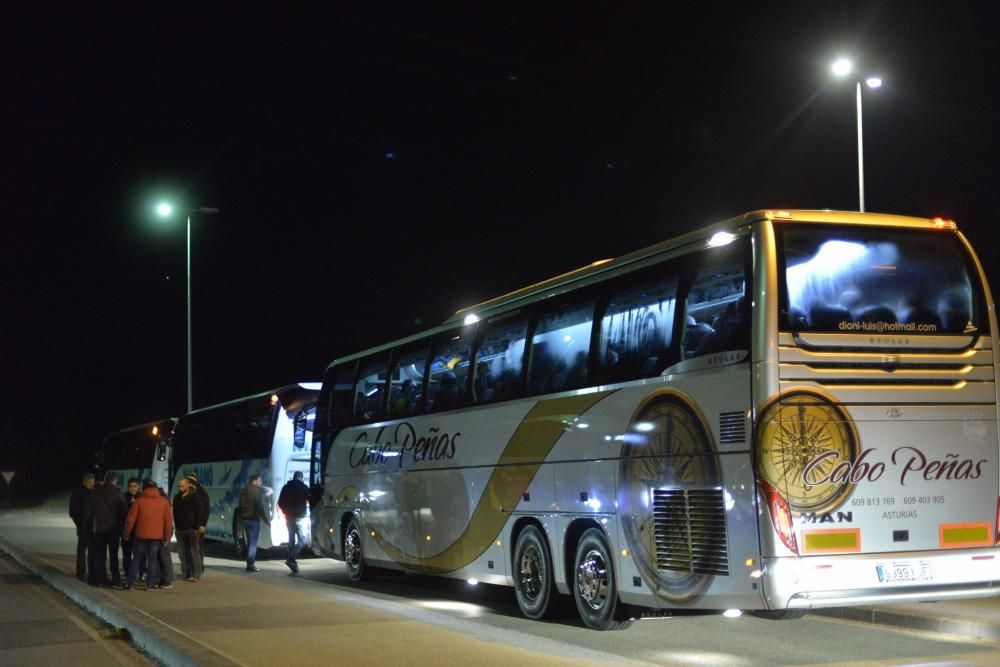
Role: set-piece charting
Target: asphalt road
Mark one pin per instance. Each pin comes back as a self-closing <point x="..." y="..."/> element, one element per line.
<point x="321" y="617"/>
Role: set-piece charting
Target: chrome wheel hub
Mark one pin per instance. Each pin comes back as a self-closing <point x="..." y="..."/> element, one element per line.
<point x="592" y="579"/>
<point x="532" y="572"/>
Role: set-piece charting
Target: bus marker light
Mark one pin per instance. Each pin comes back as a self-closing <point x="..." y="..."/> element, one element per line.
<point x="720" y="239"/>
<point x="428" y="538"/>
<point x="472" y="582"/>
<point x="732" y="613"/>
<point x="156" y="430"/>
<point x="757" y="574"/>
<point x="373" y="533"/>
<point x="942" y="223"/>
<point x="750" y="562"/>
<point x="274" y="399"/>
<point x="499" y="543"/>
<point x="625" y="553"/>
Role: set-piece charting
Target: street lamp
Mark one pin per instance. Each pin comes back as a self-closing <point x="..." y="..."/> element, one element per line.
<point x="166" y="210"/>
<point x="841" y="68"/>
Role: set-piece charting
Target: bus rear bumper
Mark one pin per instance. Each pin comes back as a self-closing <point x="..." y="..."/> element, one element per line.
<point x="854" y="579"/>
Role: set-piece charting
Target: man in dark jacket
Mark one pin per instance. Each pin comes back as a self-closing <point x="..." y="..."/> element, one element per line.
<point x="128" y="545"/>
<point x="293" y="501"/>
<point x="84" y="533"/>
<point x="107" y="511"/>
<point x="203" y="505"/>
<point x="253" y="511"/>
<point x="186" y="510"/>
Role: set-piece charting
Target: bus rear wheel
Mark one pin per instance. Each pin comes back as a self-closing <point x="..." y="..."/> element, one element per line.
<point x="357" y="570"/>
<point x="594" y="587"/>
<point x="533" y="573"/>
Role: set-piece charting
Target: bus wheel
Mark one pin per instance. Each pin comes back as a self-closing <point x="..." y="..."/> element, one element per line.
<point x="779" y="614"/>
<point x="239" y="539"/>
<point x="355" y="559"/>
<point x="533" y="573"/>
<point x="594" y="585"/>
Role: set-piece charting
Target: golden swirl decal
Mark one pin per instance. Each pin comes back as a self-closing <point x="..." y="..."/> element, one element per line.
<point x="527" y="448"/>
<point x="802" y="435"/>
<point x="667" y="453"/>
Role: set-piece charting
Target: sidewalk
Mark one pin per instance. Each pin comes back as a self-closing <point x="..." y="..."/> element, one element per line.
<point x="978" y="618"/>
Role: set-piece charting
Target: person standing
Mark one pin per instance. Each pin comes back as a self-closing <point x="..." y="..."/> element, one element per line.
<point x="293" y="501"/>
<point x="186" y="506"/>
<point x="128" y="545"/>
<point x="203" y="505"/>
<point x="253" y="511"/>
<point x="166" y="562"/>
<point x="107" y="510"/>
<point x="84" y="533"/>
<point x="150" y="519"/>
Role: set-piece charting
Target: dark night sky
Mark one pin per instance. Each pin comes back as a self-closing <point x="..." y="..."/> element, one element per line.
<point x="526" y="141"/>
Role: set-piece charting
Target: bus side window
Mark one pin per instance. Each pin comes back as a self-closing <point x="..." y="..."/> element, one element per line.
<point x="499" y="360"/>
<point x="560" y="349"/>
<point x="637" y="329"/>
<point x="715" y="313"/>
<point x="448" y="372"/>
<point x="370" y="400"/>
<point x="409" y="367"/>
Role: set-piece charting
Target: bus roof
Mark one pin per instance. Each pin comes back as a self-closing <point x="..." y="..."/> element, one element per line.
<point x="291" y="396"/>
<point x="142" y="427"/>
<point x="735" y="225"/>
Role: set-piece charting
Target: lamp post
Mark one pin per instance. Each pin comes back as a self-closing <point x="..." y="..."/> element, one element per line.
<point x="166" y="210"/>
<point x="841" y="68"/>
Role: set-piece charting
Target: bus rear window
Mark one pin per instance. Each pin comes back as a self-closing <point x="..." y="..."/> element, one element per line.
<point x="876" y="280"/>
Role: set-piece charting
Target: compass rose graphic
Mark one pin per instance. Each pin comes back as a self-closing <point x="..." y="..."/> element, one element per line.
<point x="796" y="429"/>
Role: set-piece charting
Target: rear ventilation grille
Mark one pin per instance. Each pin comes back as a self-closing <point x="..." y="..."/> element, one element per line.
<point x="732" y="428"/>
<point x="690" y="527"/>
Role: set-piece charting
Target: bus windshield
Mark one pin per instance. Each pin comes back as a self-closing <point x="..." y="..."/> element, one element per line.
<point x="839" y="279"/>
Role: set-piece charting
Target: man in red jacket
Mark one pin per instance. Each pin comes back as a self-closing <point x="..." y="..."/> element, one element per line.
<point x="153" y="523"/>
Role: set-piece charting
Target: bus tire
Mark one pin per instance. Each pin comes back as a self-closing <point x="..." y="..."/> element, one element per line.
<point x="239" y="539"/>
<point x="594" y="587"/>
<point x="779" y="614"/>
<point x="533" y="573"/>
<point x="357" y="570"/>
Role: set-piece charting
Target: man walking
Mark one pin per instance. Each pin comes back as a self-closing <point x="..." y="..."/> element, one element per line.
<point x="150" y="519"/>
<point x="186" y="510"/>
<point x="293" y="500"/>
<point x="203" y="505"/>
<point x="252" y="512"/>
<point x="84" y="533"/>
<point x="106" y="508"/>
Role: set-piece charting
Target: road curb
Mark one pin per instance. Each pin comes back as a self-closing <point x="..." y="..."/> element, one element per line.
<point x="901" y="619"/>
<point x="159" y="640"/>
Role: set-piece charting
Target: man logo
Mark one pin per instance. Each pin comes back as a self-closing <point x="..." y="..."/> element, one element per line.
<point x="894" y="413"/>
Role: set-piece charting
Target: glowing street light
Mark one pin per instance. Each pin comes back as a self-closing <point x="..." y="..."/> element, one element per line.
<point x="841" y="68"/>
<point x="166" y="210"/>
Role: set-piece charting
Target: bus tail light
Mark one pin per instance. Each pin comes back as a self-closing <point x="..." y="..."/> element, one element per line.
<point x="996" y="525"/>
<point x="781" y="516"/>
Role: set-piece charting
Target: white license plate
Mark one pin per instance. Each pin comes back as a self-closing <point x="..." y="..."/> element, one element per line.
<point x="890" y="573"/>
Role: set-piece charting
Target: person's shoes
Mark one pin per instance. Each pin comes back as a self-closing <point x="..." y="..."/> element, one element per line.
<point x="189" y="578"/>
<point x="195" y="580"/>
<point x="165" y="586"/>
<point x="127" y="588"/>
<point x="253" y="568"/>
<point x="292" y="565"/>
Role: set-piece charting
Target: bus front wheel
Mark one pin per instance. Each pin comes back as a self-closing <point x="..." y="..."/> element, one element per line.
<point x="357" y="570"/>
<point x="594" y="587"/>
<point x="533" y="573"/>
